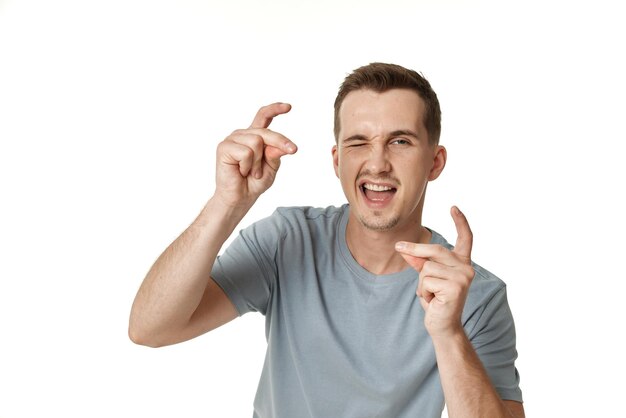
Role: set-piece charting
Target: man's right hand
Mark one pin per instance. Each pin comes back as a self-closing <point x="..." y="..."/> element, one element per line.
<point x="248" y="159"/>
<point x="178" y="300"/>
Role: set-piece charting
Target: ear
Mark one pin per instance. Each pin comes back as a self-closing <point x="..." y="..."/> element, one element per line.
<point x="439" y="162"/>
<point x="335" y="152"/>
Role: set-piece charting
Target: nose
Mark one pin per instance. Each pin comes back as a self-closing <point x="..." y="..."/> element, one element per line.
<point x="378" y="160"/>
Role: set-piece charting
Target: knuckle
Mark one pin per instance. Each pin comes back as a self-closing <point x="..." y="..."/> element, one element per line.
<point x="468" y="271"/>
<point x="223" y="146"/>
<point x="248" y="152"/>
<point x="462" y="281"/>
<point x="456" y="292"/>
<point x="257" y="140"/>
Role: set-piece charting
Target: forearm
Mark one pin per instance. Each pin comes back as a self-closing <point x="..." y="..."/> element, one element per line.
<point x="174" y="286"/>
<point x="467" y="388"/>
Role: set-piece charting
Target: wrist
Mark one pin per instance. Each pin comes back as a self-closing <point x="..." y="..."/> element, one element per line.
<point x="447" y="335"/>
<point x="230" y="207"/>
<point x="218" y="217"/>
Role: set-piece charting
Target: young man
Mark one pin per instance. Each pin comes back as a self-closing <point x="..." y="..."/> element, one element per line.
<point x="368" y="313"/>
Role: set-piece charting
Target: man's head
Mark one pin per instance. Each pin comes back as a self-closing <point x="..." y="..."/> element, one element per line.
<point x="381" y="77"/>
<point x="387" y="145"/>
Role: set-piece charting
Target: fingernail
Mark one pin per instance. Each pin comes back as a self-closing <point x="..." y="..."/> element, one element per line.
<point x="290" y="147"/>
<point x="400" y="245"/>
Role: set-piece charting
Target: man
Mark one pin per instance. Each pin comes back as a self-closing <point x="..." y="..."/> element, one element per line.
<point x="353" y="330"/>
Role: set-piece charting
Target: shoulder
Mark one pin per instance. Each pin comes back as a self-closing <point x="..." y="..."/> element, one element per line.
<point x="486" y="306"/>
<point x="285" y="220"/>
<point x="299" y="217"/>
<point x="309" y="212"/>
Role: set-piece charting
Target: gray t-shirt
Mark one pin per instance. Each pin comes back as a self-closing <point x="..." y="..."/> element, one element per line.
<point x="341" y="341"/>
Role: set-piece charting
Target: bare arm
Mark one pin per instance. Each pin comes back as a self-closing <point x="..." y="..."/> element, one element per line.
<point x="166" y="305"/>
<point x="466" y="385"/>
<point x="178" y="300"/>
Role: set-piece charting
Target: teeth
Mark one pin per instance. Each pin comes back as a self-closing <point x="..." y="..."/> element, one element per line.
<point x="376" y="187"/>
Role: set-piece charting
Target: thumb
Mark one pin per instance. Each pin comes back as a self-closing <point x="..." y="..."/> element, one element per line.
<point x="465" y="238"/>
<point x="272" y="156"/>
<point x="416" y="262"/>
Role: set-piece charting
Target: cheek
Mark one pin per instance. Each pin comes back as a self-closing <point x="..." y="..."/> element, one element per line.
<point x="347" y="174"/>
<point x="344" y="175"/>
<point x="343" y="164"/>
<point x="412" y="166"/>
<point x="414" y="174"/>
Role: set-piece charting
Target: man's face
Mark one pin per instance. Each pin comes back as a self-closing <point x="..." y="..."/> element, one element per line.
<point x="383" y="157"/>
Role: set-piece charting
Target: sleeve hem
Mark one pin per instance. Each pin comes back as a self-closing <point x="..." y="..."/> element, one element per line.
<point x="510" y="394"/>
<point x="232" y="294"/>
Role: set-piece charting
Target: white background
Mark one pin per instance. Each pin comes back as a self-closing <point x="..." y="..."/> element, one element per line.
<point x="110" y="113"/>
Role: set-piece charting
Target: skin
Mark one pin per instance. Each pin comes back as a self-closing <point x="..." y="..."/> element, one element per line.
<point x="178" y="300"/>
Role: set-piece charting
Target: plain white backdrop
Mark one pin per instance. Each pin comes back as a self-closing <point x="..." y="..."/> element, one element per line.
<point x="110" y="113"/>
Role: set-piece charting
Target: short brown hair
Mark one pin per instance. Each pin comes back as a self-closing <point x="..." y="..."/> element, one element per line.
<point x="381" y="77"/>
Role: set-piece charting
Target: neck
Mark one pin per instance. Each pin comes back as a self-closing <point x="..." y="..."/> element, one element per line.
<point x="375" y="250"/>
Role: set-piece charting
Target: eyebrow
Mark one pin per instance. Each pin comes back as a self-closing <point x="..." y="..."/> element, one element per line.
<point x="399" y="132"/>
<point x="404" y="132"/>
<point x="356" y="137"/>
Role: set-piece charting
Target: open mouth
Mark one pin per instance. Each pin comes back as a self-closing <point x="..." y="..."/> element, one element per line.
<point x="377" y="193"/>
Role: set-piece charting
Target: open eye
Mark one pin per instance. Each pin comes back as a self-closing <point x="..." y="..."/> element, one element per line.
<point x="400" y="141"/>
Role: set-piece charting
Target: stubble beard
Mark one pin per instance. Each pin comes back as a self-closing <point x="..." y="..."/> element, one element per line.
<point x="377" y="222"/>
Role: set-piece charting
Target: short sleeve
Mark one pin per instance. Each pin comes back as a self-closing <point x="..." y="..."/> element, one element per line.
<point x="246" y="271"/>
<point x="493" y="338"/>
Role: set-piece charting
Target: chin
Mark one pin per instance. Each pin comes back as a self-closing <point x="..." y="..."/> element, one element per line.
<point x="378" y="223"/>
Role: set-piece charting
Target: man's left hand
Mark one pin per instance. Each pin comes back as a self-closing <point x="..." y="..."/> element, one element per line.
<point x="444" y="277"/>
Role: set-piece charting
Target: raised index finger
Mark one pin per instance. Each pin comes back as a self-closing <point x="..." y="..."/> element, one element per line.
<point x="465" y="238"/>
<point x="266" y="114"/>
<point x="270" y="138"/>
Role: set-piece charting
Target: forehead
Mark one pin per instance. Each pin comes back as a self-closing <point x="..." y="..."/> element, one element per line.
<point x="370" y="113"/>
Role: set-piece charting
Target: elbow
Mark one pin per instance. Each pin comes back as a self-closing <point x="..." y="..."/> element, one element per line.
<point x="138" y="337"/>
<point x="142" y="337"/>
